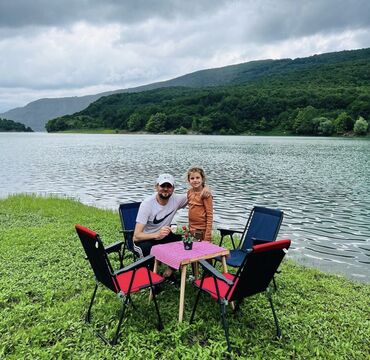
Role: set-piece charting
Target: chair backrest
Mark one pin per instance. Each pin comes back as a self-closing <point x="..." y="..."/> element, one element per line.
<point x="258" y="269"/>
<point x="263" y="224"/>
<point x="128" y="213"/>
<point x="97" y="257"/>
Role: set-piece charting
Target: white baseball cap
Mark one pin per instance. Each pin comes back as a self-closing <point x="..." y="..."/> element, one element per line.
<point x="165" y="178"/>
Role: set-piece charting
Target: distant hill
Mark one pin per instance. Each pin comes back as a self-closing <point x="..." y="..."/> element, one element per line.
<point x="12" y="126"/>
<point x="37" y="113"/>
<point x="319" y="95"/>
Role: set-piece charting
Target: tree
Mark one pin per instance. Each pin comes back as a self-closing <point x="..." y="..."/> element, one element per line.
<point x="156" y="123"/>
<point x="323" y="126"/>
<point x="135" y="122"/>
<point x="360" y="127"/>
<point x="181" y="131"/>
<point x="205" y="125"/>
<point x="303" y="122"/>
<point x="262" y="124"/>
<point x="343" y="123"/>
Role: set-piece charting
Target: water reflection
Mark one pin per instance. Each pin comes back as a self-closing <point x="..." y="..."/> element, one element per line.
<point x="320" y="183"/>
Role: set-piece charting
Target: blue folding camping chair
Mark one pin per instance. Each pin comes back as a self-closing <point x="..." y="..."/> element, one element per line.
<point x="128" y="213"/>
<point x="263" y="226"/>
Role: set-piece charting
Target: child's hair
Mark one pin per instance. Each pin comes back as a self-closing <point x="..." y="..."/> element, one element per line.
<point x="198" y="170"/>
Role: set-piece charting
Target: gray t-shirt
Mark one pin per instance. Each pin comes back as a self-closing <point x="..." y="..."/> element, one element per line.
<point x="154" y="216"/>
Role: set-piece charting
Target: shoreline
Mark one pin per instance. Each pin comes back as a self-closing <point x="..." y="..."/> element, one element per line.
<point x="46" y="285"/>
<point x="302" y="261"/>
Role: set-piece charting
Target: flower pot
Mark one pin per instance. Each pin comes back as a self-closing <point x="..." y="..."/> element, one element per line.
<point x="188" y="245"/>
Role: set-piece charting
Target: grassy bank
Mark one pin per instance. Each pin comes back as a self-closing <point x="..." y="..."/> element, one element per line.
<point x="45" y="287"/>
<point x="89" y="131"/>
<point x="273" y="132"/>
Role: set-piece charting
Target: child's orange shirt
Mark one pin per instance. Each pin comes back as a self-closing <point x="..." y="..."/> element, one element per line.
<point x="200" y="213"/>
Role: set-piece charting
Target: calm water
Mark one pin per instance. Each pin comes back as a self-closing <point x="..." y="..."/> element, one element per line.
<point x="322" y="184"/>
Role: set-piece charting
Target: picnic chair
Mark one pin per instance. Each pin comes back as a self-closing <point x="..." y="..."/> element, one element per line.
<point x="124" y="282"/>
<point x="252" y="277"/>
<point x="127" y="215"/>
<point x="263" y="226"/>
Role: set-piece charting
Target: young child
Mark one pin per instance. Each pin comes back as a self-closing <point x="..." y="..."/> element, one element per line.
<point x="200" y="209"/>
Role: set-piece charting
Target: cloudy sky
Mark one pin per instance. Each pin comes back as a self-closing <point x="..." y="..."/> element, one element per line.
<point x="55" y="48"/>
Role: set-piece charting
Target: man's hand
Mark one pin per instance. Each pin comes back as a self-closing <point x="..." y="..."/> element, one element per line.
<point x="163" y="232"/>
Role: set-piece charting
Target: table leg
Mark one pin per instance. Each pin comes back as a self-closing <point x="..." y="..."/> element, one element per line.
<point x="224" y="265"/>
<point x="196" y="270"/>
<point x="155" y="267"/>
<point x="182" y="292"/>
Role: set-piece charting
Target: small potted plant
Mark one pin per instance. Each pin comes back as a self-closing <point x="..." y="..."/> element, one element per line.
<point x="187" y="237"/>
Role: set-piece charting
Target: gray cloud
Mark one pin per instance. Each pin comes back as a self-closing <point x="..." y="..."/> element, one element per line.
<point x="291" y="19"/>
<point x="21" y="13"/>
<point x="63" y="48"/>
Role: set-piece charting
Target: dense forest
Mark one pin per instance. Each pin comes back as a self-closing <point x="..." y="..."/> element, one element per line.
<point x="10" y="125"/>
<point x="320" y="95"/>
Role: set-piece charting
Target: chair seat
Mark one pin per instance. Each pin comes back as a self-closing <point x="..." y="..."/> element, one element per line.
<point x="141" y="280"/>
<point x="210" y="286"/>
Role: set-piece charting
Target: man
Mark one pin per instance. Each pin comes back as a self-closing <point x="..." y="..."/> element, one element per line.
<point x="156" y="214"/>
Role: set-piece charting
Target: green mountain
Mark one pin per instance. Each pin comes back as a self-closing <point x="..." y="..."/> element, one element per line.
<point x="321" y="94"/>
<point x="9" y="125"/>
<point x="37" y="113"/>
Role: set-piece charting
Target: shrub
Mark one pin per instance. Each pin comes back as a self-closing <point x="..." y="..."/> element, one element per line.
<point x="361" y="126"/>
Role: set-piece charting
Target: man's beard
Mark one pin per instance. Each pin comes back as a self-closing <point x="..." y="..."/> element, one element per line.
<point x="164" y="196"/>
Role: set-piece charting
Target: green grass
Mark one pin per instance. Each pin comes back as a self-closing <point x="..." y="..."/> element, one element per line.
<point x="45" y="287"/>
<point x="90" y="131"/>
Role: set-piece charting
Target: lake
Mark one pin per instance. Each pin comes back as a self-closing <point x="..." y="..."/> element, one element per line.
<point x="321" y="184"/>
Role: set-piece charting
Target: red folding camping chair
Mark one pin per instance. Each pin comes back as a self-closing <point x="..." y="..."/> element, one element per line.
<point x="123" y="282"/>
<point x="253" y="277"/>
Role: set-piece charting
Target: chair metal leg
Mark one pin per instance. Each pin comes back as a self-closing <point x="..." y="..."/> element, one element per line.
<point x="123" y="310"/>
<point x="274" y="282"/>
<point x="232" y="241"/>
<point x="221" y="240"/>
<point x="160" y="323"/>
<point x="278" y="331"/>
<point x="132" y="304"/>
<point x="237" y="306"/>
<point x="231" y="238"/>
<point x="88" y="314"/>
<point x="225" y="325"/>
<point x="194" y="307"/>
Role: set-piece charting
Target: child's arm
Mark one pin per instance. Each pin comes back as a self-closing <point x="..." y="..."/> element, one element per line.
<point x="208" y="205"/>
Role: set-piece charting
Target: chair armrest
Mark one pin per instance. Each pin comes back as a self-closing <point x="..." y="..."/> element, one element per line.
<point x="113" y="247"/>
<point x="140" y="263"/>
<point x="225" y="232"/>
<point x="211" y="270"/>
<point x="228" y="232"/>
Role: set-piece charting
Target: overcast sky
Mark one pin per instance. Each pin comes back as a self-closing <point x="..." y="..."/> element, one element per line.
<point x="55" y="48"/>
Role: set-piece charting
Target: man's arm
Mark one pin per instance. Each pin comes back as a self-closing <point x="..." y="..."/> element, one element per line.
<point x="140" y="235"/>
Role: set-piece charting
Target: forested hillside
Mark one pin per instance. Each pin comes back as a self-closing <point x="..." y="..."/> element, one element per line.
<point x="9" y="125"/>
<point x="320" y="95"/>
